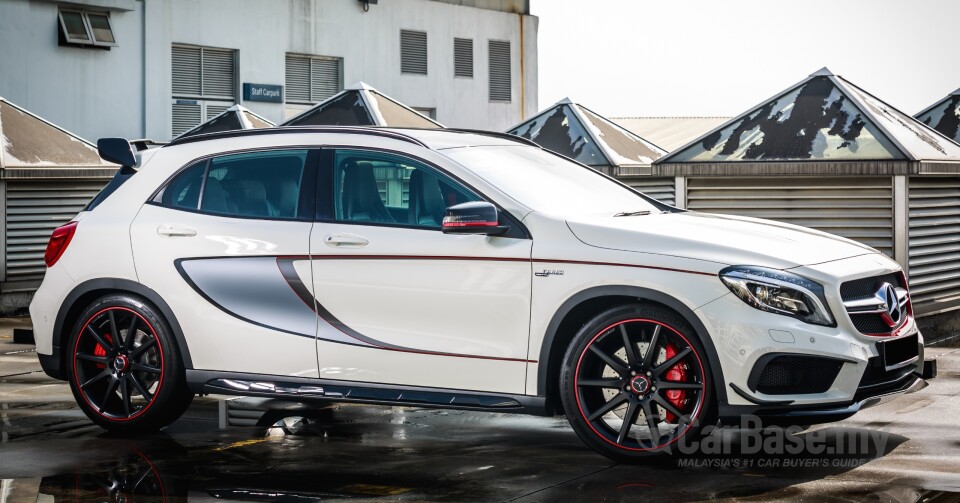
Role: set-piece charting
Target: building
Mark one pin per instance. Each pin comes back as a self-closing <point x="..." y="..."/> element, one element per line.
<point x="829" y="155"/>
<point x="944" y="116"/>
<point x="47" y="175"/>
<point x="573" y="130"/>
<point x="669" y="133"/>
<point x="155" y="69"/>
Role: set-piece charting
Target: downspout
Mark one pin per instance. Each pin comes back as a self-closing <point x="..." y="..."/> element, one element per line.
<point x="523" y="83"/>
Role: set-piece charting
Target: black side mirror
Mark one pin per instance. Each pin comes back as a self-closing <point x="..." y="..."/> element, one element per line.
<point x="118" y="151"/>
<point x="478" y="217"/>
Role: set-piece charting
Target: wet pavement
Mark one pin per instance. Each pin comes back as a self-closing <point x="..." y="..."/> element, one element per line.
<point x="904" y="450"/>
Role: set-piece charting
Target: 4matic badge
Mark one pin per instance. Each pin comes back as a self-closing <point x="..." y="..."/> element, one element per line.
<point x="549" y="272"/>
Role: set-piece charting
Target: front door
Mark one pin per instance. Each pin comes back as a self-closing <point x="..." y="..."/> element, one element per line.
<point x="399" y="301"/>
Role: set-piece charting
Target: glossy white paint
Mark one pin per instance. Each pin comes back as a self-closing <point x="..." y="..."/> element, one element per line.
<point x="487" y="303"/>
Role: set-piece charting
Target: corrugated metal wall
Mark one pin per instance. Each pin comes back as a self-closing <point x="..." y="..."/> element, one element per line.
<point x="33" y="209"/>
<point x="934" y="236"/>
<point x="662" y="189"/>
<point x="859" y="208"/>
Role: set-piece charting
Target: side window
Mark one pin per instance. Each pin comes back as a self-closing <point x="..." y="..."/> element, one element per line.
<point x="258" y="184"/>
<point x="390" y="189"/>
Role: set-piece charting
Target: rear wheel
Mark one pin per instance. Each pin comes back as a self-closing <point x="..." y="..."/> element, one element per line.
<point x="634" y="381"/>
<point x="124" y="367"/>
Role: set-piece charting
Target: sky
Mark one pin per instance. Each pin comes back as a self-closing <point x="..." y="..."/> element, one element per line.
<point x="721" y="57"/>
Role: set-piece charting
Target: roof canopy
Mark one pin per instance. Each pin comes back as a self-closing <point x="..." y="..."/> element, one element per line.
<point x="575" y="131"/>
<point x="670" y="133"/>
<point x="822" y="118"/>
<point x="362" y="105"/>
<point x="235" y="117"/>
<point x="944" y="116"/>
<point x="30" y="142"/>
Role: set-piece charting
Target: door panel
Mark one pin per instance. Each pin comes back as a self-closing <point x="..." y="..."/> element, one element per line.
<point x="421" y="307"/>
<point x="227" y="275"/>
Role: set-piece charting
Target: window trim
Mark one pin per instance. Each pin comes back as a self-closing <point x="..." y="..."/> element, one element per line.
<point x="325" y="188"/>
<point x="91" y="39"/>
<point x="306" y="203"/>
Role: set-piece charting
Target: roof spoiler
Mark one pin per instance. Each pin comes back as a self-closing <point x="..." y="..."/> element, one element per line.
<point x="118" y="151"/>
<point x="145" y="143"/>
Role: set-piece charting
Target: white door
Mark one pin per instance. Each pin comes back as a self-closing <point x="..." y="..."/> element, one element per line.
<point x="223" y="243"/>
<point x="399" y="301"/>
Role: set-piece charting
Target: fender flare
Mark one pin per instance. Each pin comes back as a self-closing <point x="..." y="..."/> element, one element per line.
<point x="642" y="294"/>
<point x="121" y="285"/>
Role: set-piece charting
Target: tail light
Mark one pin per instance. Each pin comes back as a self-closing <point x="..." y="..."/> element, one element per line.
<point x="58" y="243"/>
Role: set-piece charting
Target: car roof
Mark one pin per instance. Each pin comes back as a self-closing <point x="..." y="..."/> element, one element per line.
<point x="435" y="139"/>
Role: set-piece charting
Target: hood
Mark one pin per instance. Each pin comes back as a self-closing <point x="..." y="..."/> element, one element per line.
<point x="725" y="239"/>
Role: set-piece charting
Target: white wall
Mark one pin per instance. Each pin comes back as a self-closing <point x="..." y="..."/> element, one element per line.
<point x="98" y="93"/>
<point x="91" y="92"/>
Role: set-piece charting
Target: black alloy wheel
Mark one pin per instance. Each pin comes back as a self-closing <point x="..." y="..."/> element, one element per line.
<point x="635" y="380"/>
<point x="125" y="370"/>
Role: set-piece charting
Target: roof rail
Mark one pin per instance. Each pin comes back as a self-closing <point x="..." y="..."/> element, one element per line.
<point x="373" y="131"/>
<point x="505" y="136"/>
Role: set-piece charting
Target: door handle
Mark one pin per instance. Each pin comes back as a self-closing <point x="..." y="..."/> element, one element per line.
<point x="170" y="231"/>
<point x="345" y="240"/>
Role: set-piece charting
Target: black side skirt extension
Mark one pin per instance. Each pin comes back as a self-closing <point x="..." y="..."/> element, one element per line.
<point x="326" y="390"/>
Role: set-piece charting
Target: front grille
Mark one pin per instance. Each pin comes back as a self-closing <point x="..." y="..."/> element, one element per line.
<point x="866" y="287"/>
<point x="794" y="375"/>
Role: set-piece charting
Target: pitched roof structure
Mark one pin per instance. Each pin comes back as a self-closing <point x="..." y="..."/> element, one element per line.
<point x="944" y="116"/>
<point x="669" y="133"/>
<point x="27" y="141"/>
<point x="822" y="118"/>
<point x="577" y="132"/>
<point x="362" y="105"/>
<point x="235" y="117"/>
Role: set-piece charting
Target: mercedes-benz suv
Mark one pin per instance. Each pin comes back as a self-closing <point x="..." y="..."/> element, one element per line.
<point x="455" y="269"/>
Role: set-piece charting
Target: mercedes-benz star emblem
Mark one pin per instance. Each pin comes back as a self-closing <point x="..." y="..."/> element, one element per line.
<point x="890" y="304"/>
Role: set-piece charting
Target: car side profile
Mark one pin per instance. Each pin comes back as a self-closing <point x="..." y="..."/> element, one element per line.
<point x="455" y="269"/>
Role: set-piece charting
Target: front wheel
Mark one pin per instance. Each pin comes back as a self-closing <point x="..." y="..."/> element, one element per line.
<point x="634" y="381"/>
<point x="124" y="367"/>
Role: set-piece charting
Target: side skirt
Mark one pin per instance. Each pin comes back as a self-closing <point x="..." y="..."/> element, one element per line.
<point x="326" y="390"/>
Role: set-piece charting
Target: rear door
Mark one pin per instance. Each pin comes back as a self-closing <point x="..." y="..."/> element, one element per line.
<point x="222" y="243"/>
<point x="399" y="301"/>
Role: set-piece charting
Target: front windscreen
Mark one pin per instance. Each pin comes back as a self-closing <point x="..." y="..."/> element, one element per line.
<point x="548" y="183"/>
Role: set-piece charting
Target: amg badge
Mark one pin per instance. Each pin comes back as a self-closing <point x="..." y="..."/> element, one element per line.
<point x="548" y="272"/>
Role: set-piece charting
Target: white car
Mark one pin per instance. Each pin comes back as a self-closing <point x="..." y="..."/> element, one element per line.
<point x="455" y="269"/>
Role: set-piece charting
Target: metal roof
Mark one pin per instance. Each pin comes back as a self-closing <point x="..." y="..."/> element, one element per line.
<point x="944" y="116"/>
<point x="575" y="131"/>
<point x="28" y="141"/>
<point x="669" y="132"/>
<point x="822" y="118"/>
<point x="235" y="117"/>
<point x="362" y="105"/>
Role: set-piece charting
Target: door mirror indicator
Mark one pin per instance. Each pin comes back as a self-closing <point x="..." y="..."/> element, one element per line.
<point x="478" y="217"/>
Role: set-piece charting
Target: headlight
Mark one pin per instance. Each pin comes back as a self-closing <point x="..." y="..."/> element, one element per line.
<point x="779" y="292"/>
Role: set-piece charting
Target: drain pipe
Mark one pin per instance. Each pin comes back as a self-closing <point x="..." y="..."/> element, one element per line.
<point x="523" y="82"/>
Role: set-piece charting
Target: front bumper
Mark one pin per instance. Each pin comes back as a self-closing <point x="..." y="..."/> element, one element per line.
<point x="876" y="386"/>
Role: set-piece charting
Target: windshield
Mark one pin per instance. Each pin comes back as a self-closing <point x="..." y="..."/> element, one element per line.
<point x="548" y="183"/>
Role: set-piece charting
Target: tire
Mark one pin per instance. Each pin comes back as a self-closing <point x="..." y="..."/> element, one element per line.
<point x="665" y="394"/>
<point x="126" y="384"/>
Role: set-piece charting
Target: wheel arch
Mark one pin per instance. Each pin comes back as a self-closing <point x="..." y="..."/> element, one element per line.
<point x="84" y="293"/>
<point x="580" y="307"/>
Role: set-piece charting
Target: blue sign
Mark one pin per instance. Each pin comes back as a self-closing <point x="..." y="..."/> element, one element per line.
<point x="262" y="92"/>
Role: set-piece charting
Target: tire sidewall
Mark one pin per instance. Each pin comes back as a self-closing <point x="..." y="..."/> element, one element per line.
<point x="580" y="343"/>
<point x="172" y="385"/>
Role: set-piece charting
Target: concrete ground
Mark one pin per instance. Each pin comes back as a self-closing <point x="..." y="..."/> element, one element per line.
<point x="904" y="450"/>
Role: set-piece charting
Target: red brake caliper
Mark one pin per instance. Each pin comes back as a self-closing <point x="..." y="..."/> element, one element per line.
<point x="678" y="373"/>
<point x="100" y="351"/>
